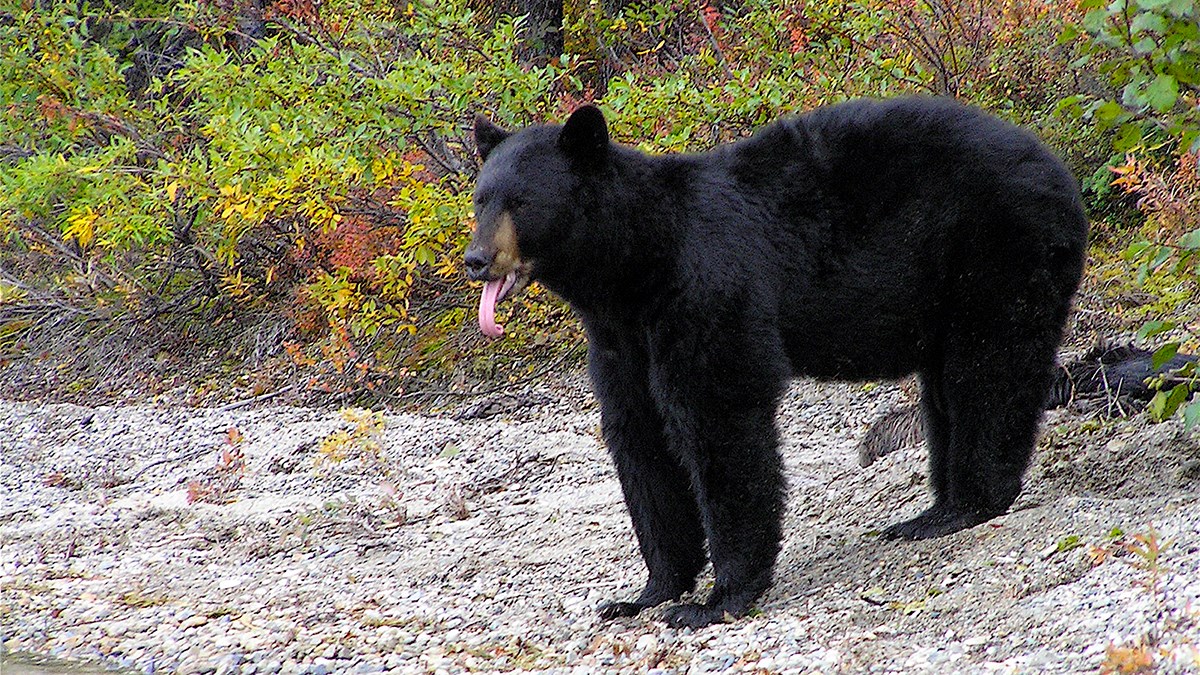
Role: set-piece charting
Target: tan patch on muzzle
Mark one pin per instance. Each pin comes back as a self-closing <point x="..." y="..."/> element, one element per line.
<point x="508" y="256"/>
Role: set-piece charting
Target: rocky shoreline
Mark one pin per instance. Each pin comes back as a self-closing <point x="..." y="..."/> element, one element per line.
<point x="291" y="540"/>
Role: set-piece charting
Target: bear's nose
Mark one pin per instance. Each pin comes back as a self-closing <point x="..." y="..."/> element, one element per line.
<point x="477" y="263"/>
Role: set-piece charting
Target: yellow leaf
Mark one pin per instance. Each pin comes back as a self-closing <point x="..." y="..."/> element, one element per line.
<point x="172" y="188"/>
<point x="81" y="227"/>
<point x="10" y="294"/>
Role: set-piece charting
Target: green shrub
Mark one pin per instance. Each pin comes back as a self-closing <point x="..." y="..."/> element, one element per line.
<point x="1147" y="53"/>
<point x="321" y="169"/>
<point x="183" y="162"/>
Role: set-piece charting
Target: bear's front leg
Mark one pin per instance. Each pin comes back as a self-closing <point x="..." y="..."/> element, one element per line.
<point x="656" y="486"/>
<point x="740" y="493"/>
<point x="719" y="410"/>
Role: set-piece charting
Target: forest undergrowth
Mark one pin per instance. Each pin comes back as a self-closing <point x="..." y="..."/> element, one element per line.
<point x="217" y="200"/>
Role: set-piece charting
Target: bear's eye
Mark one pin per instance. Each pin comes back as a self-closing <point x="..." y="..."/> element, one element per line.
<point x="513" y="203"/>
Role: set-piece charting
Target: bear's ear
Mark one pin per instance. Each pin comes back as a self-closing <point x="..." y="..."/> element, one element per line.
<point x="585" y="135"/>
<point x="487" y="136"/>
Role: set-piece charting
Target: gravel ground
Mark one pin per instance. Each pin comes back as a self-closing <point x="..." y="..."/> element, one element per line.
<point x="289" y="540"/>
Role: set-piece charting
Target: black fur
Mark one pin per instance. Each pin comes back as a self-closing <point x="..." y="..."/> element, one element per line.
<point x="1122" y="371"/>
<point x="859" y="241"/>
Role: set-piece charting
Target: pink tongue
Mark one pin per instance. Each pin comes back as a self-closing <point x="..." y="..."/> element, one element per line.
<point x="487" y="308"/>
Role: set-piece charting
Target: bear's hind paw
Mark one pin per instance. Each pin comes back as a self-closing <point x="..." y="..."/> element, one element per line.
<point x="936" y="521"/>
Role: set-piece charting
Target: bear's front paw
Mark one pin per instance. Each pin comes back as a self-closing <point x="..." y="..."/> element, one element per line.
<point x="616" y="610"/>
<point x="690" y="615"/>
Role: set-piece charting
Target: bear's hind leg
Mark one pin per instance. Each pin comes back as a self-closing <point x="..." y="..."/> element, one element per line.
<point x="943" y="516"/>
<point x="982" y="413"/>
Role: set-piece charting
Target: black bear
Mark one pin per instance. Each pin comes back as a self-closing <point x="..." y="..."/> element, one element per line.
<point x="865" y="240"/>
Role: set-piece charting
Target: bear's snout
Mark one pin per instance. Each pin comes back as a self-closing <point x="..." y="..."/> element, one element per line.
<point x="493" y="251"/>
<point x="477" y="261"/>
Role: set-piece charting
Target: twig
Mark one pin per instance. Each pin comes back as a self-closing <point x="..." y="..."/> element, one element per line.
<point x="437" y="157"/>
<point x="1113" y="397"/>
<point x="494" y="390"/>
<point x="178" y="458"/>
<point x="308" y="38"/>
<point x="712" y="40"/>
<point x="256" y="399"/>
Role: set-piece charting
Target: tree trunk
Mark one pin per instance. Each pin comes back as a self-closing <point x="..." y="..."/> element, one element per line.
<point x="542" y="38"/>
<point x="250" y="24"/>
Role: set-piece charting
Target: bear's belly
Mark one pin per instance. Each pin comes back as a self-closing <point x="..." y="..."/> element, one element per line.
<point x="863" y="349"/>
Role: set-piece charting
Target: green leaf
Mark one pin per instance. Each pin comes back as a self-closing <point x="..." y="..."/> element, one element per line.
<point x="1191" y="240"/>
<point x="1148" y="22"/>
<point x="1162" y="92"/>
<point x="1181" y="8"/>
<point x="1186" y="29"/>
<point x="1144" y="46"/>
<point x="1158" y="406"/>
<point x="1161" y="256"/>
<point x="1131" y="93"/>
<point x="1108" y="112"/>
<point x="1152" y="328"/>
<point x="1163" y="354"/>
<point x="1191" y="415"/>
<point x="1129" y="138"/>
<point x="1176" y="398"/>
<point x="1143" y="274"/>
<point x="1136" y="249"/>
<point x="1093" y="21"/>
<point x="1067" y="543"/>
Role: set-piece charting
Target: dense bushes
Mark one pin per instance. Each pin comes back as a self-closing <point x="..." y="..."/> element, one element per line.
<point x="198" y="163"/>
<point x="318" y="168"/>
<point x="1145" y="55"/>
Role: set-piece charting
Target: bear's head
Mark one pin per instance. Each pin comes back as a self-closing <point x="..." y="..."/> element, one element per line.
<point x="530" y="208"/>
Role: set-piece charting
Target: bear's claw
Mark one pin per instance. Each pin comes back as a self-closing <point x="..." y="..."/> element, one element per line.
<point x="691" y="615"/>
<point x="617" y="610"/>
